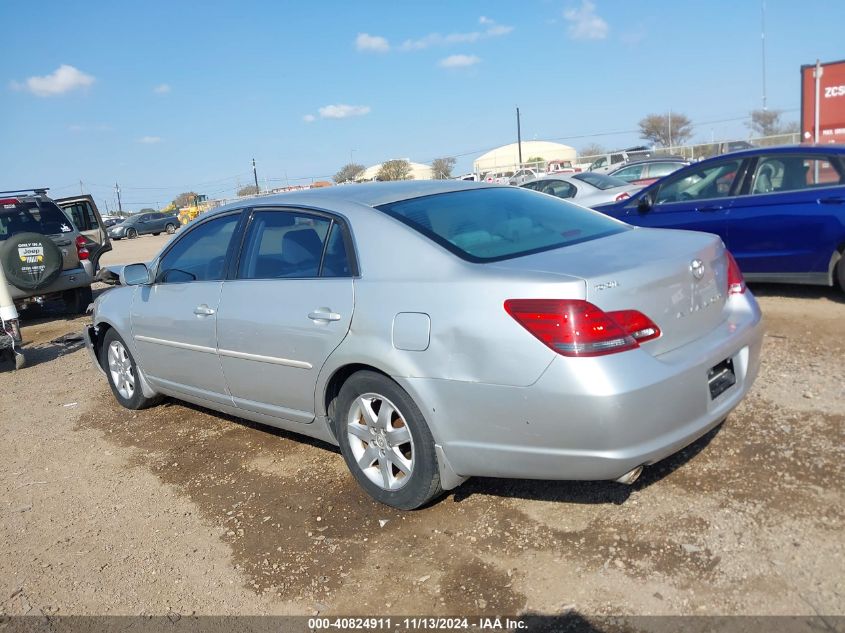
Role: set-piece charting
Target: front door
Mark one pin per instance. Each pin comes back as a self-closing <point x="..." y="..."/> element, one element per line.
<point x="285" y="313"/>
<point x="174" y="319"/>
<point x="695" y="199"/>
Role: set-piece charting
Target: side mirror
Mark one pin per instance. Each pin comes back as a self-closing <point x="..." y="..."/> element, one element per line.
<point x="646" y="202"/>
<point x="134" y="275"/>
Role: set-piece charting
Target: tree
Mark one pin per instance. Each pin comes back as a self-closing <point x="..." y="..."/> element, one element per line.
<point x="592" y="149"/>
<point x="660" y="130"/>
<point x="768" y="123"/>
<point x="395" y="170"/>
<point x="147" y="210"/>
<point x="536" y="162"/>
<point x="249" y="190"/>
<point x="184" y="199"/>
<point x="441" y="168"/>
<point x="349" y="172"/>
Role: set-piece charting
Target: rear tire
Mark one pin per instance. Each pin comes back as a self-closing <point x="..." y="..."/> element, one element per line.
<point x="385" y="442"/>
<point x="77" y="301"/>
<point x="122" y="373"/>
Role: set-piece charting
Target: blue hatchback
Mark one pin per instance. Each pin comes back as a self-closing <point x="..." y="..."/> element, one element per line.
<point x="779" y="210"/>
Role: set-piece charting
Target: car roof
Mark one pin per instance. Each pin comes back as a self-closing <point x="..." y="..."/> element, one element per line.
<point x="370" y="194"/>
<point x="656" y="159"/>
<point x="830" y="148"/>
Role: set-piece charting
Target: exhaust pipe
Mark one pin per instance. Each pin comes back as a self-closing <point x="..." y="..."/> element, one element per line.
<point x="631" y="476"/>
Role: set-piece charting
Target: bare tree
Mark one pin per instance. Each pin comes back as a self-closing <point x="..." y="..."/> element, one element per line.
<point x="592" y="149"/>
<point x="768" y="123"/>
<point x="348" y="173"/>
<point x="184" y="199"/>
<point x="663" y="130"/>
<point x="249" y="190"/>
<point x="395" y="170"/>
<point x="442" y="168"/>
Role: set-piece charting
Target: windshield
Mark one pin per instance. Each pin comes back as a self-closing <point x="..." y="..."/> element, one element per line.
<point x="32" y="217"/>
<point x="484" y="225"/>
<point x="600" y="181"/>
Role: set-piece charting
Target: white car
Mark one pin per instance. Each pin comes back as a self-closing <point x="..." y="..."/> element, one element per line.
<point x="587" y="188"/>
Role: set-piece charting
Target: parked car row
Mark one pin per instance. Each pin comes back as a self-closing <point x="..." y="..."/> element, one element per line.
<point x="144" y="223"/>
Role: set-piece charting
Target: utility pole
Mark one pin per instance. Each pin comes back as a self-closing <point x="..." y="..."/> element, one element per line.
<point x="119" y="204"/>
<point x="81" y="189"/>
<point x="763" y="40"/>
<point x="519" y="137"/>
<point x="255" y="175"/>
<point x="670" y="130"/>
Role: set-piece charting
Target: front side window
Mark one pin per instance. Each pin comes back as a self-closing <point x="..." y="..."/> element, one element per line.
<point x="200" y="255"/>
<point x="600" y="181"/>
<point x="484" y="225"/>
<point x="712" y="181"/>
<point x="285" y="244"/>
<point x="559" y="188"/>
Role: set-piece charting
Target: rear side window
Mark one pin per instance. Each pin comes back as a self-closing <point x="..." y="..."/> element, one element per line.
<point x="32" y="217"/>
<point x="484" y="225"/>
<point x="790" y="173"/>
<point x="82" y="215"/>
<point x="600" y="181"/>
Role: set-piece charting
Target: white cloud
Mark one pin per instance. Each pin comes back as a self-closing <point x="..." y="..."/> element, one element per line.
<point x="309" y="118"/>
<point x="149" y="140"/>
<point x="162" y="89"/>
<point x="585" y="23"/>
<point x="64" y="79"/>
<point x="372" y="43"/>
<point x="436" y="39"/>
<point x="342" y="111"/>
<point x="459" y="61"/>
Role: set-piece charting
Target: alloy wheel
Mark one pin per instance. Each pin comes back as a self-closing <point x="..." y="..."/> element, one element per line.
<point x="120" y="368"/>
<point x="381" y="441"/>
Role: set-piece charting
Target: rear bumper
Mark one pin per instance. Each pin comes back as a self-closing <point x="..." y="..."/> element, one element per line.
<point x="593" y="418"/>
<point x="67" y="280"/>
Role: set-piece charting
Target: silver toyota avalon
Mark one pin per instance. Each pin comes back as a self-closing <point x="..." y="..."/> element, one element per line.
<point x="439" y="330"/>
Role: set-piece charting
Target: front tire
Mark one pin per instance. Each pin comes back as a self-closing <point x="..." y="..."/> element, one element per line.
<point x="131" y="234"/>
<point x="122" y="373"/>
<point x="385" y="442"/>
<point x="170" y="228"/>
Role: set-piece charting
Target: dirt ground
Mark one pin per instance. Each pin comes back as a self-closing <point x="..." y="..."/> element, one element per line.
<point x="178" y="509"/>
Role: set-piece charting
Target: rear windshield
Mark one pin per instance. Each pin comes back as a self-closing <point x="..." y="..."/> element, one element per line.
<point x="484" y="225"/>
<point x="32" y="217"/>
<point x="601" y="181"/>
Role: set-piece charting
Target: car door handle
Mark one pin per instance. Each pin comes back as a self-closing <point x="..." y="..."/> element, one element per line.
<point x="204" y="310"/>
<point x="711" y="207"/>
<point x="832" y="200"/>
<point x="323" y="315"/>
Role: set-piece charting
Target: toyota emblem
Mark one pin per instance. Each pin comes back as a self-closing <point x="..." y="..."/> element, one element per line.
<point x="697" y="268"/>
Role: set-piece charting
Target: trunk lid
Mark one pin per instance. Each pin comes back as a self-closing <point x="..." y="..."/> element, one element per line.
<point x="676" y="278"/>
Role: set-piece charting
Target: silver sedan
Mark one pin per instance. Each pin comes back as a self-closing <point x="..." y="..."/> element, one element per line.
<point x="439" y="330"/>
<point x="587" y="188"/>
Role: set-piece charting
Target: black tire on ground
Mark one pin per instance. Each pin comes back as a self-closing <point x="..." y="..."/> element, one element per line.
<point x="840" y="273"/>
<point x="78" y="300"/>
<point x="170" y="228"/>
<point x="131" y="233"/>
<point x="136" y="399"/>
<point x="31" y="261"/>
<point x="423" y="483"/>
<point x="159" y="233"/>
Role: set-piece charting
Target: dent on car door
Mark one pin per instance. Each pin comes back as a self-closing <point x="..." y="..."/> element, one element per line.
<point x="697" y="198"/>
<point x="286" y="311"/>
<point x="174" y="318"/>
<point x="85" y="215"/>
<point x="789" y="219"/>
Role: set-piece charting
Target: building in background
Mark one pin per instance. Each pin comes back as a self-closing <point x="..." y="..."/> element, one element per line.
<point x="506" y="157"/>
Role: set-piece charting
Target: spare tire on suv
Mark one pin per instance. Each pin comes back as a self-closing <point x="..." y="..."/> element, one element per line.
<point x="30" y="260"/>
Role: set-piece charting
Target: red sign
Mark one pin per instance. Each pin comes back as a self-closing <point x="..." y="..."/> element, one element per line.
<point x="831" y="103"/>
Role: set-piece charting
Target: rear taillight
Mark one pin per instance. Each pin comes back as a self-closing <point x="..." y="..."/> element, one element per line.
<point x="82" y="247"/>
<point x="736" y="282"/>
<point x="635" y="323"/>
<point x="574" y="327"/>
<point x="622" y="196"/>
<point x="9" y="200"/>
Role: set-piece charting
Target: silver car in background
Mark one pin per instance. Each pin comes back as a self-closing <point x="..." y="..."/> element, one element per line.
<point x="439" y="330"/>
<point x="587" y="188"/>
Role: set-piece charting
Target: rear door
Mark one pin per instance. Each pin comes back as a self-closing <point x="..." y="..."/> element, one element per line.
<point x="286" y="311"/>
<point x="174" y="319"/>
<point x="85" y="215"/>
<point x="697" y="198"/>
<point x="792" y="215"/>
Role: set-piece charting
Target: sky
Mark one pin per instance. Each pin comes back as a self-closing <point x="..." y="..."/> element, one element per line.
<point x="165" y="97"/>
